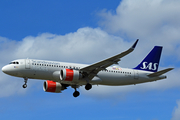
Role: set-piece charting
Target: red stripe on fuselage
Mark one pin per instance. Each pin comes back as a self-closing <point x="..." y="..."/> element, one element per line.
<point x="69" y="75"/>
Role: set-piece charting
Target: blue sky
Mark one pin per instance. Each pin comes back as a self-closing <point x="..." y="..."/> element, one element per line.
<point x="86" y="32"/>
<point x="22" y="18"/>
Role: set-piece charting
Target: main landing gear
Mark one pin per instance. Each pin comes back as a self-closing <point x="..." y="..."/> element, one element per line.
<point x="88" y="86"/>
<point x="76" y="93"/>
<point x="25" y="84"/>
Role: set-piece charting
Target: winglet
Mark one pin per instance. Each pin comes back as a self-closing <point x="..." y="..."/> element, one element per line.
<point x="134" y="45"/>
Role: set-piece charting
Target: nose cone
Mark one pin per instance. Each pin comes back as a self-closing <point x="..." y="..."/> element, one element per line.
<point x="4" y="69"/>
<point x="8" y="70"/>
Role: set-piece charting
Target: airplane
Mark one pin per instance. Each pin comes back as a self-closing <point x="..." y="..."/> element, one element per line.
<point x="60" y="75"/>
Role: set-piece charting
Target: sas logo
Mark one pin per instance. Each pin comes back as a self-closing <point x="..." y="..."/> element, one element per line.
<point x="150" y="66"/>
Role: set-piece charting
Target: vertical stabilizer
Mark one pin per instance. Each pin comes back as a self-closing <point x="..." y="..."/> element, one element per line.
<point x="151" y="61"/>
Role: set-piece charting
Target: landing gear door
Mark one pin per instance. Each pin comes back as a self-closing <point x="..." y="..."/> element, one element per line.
<point x="27" y="64"/>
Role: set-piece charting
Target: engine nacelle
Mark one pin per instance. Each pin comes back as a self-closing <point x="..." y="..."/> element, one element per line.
<point x="70" y="75"/>
<point x="50" y="86"/>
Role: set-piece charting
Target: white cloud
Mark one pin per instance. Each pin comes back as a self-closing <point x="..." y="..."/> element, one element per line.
<point x="87" y="45"/>
<point x="155" y="22"/>
<point x="72" y="46"/>
<point x="176" y="112"/>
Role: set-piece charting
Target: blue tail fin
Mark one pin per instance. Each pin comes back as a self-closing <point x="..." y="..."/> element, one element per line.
<point x="151" y="61"/>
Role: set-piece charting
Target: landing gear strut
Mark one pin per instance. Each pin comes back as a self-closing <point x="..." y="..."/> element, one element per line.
<point x="25" y="84"/>
<point x="76" y="93"/>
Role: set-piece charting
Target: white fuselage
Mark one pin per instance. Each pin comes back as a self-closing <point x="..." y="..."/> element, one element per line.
<point x="50" y="70"/>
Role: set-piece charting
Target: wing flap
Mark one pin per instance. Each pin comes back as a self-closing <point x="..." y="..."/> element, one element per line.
<point x="156" y="74"/>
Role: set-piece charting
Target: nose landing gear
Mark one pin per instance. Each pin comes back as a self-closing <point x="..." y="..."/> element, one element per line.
<point x="25" y="84"/>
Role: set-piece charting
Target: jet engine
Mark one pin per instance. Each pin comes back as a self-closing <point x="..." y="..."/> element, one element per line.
<point x="50" y="86"/>
<point x="70" y="75"/>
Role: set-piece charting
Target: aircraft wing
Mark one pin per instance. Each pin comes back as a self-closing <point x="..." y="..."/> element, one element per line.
<point x="92" y="70"/>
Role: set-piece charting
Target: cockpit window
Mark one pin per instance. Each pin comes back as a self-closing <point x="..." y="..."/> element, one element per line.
<point x="14" y="63"/>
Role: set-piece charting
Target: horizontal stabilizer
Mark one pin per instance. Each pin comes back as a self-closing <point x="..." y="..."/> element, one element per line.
<point x="156" y="74"/>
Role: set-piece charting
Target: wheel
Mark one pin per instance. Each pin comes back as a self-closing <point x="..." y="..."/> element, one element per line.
<point x="24" y="86"/>
<point x="88" y="86"/>
<point x="76" y="94"/>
